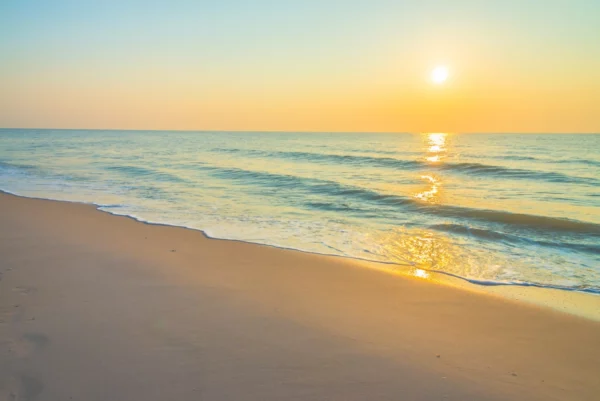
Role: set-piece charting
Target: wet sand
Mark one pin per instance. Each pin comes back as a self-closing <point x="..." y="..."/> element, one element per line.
<point x="101" y="307"/>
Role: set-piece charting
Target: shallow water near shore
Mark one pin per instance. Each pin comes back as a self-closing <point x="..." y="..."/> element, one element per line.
<point x="489" y="208"/>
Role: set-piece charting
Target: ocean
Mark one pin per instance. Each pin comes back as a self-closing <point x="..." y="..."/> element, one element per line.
<point x="492" y="209"/>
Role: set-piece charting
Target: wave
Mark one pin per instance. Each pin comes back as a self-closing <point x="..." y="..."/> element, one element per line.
<point x="495" y="283"/>
<point x="588" y="162"/>
<point x="395" y="163"/>
<point x="580" y="161"/>
<point x="335" y="196"/>
<point x="514" y="239"/>
<point x="143" y="172"/>
<point x="519" y="158"/>
<point x="343" y="197"/>
<point x="20" y="167"/>
<point x="298" y="184"/>
<point x="506" y="172"/>
<point x="28" y="171"/>
<point x="330" y="158"/>
<point x="524" y="221"/>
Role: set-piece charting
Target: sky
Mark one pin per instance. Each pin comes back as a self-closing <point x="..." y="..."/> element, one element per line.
<point x="311" y="65"/>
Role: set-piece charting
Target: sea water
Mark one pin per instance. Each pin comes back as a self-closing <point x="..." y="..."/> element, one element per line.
<point x="488" y="208"/>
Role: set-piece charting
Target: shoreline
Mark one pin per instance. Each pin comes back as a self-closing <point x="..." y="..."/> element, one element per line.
<point x="572" y="301"/>
<point x="96" y="306"/>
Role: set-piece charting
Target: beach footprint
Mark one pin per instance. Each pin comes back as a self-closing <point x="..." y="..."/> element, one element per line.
<point x="11" y="313"/>
<point x="21" y="387"/>
<point x="24" y="290"/>
<point x="30" y="343"/>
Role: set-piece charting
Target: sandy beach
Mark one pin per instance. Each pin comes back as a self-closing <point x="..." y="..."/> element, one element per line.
<point x="100" y="307"/>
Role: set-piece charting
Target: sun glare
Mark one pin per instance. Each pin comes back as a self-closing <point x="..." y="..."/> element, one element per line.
<point x="421" y="273"/>
<point x="439" y="75"/>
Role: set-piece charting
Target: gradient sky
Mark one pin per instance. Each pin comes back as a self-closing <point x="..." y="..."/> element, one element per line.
<point x="311" y="65"/>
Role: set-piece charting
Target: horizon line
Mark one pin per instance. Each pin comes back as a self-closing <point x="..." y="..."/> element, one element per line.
<point x="304" y="132"/>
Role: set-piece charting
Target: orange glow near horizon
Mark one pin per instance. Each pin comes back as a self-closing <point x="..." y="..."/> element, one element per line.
<point x="255" y="67"/>
<point x="150" y="101"/>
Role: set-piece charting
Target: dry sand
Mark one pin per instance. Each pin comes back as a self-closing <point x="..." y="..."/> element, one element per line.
<point x="100" y="307"/>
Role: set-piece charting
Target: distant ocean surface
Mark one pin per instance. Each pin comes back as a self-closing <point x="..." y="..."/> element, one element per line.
<point x="489" y="208"/>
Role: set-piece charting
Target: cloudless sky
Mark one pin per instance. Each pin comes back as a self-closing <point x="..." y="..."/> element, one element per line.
<point x="326" y="65"/>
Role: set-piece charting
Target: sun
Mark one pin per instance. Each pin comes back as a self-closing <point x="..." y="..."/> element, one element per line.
<point x="439" y="75"/>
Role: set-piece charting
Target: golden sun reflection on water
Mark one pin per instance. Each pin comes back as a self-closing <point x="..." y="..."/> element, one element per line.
<point x="436" y="150"/>
<point x="429" y="195"/>
<point x="436" y="146"/>
<point x="421" y="251"/>
<point x="437" y="138"/>
<point x="421" y="273"/>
